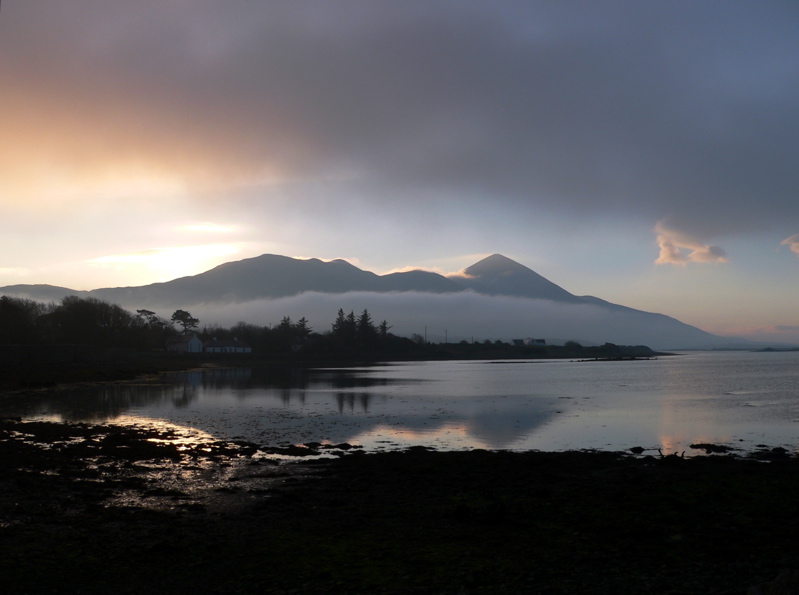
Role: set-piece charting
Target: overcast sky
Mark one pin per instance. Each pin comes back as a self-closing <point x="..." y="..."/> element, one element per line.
<point x="643" y="152"/>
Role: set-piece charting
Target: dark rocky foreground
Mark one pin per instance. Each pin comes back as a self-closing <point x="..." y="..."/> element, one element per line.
<point x="98" y="509"/>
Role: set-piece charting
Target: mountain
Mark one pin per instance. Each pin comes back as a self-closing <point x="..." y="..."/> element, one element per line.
<point x="266" y="276"/>
<point x="496" y="295"/>
<point x="499" y="275"/>
<point x="41" y="293"/>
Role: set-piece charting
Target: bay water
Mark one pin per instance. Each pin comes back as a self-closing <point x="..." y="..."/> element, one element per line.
<point x="739" y="399"/>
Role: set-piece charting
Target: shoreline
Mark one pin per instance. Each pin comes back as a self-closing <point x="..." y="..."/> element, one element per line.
<point x="32" y="367"/>
<point x="135" y="510"/>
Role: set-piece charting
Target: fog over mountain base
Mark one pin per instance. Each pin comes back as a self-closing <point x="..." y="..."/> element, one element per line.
<point x="463" y="316"/>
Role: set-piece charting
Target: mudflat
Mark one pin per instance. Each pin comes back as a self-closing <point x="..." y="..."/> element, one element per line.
<point x="103" y="508"/>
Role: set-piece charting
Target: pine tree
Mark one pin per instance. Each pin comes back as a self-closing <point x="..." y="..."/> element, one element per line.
<point x="365" y="331"/>
<point x="301" y="328"/>
<point x="383" y="329"/>
<point x="186" y="320"/>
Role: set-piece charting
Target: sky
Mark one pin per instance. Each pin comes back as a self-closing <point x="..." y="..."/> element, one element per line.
<point x="644" y="152"/>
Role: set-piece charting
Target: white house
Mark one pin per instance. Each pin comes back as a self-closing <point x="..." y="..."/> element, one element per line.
<point x="185" y="344"/>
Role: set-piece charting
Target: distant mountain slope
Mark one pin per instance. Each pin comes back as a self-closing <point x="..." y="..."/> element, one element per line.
<point x="499" y="275"/>
<point x="41" y="293"/>
<point x="271" y="276"/>
<point x="266" y="276"/>
<point x="422" y="281"/>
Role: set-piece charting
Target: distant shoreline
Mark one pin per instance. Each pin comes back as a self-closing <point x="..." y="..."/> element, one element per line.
<point x="33" y="367"/>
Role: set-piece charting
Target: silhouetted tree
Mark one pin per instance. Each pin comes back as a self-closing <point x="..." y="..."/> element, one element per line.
<point x="302" y="329"/>
<point x="147" y="316"/>
<point x="383" y="329"/>
<point x="283" y="336"/>
<point x="185" y="320"/>
<point x="18" y="320"/>
<point x="339" y="322"/>
<point x="92" y="321"/>
<point x="365" y="331"/>
<point x="149" y="330"/>
<point x="344" y="327"/>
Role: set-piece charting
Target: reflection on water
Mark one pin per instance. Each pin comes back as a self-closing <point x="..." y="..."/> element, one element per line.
<point x="352" y="402"/>
<point x="732" y="398"/>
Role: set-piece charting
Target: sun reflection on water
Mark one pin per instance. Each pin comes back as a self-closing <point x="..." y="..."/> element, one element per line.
<point x="448" y="435"/>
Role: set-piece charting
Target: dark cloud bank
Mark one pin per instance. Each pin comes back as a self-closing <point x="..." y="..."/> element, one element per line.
<point x="683" y="113"/>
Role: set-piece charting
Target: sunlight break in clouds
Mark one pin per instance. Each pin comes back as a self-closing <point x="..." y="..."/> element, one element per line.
<point x="208" y="227"/>
<point x="679" y="248"/>
<point x="793" y="242"/>
<point x="15" y="272"/>
<point x="169" y="262"/>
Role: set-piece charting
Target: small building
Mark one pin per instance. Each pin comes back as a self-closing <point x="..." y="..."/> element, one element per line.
<point x="226" y="346"/>
<point x="185" y="344"/>
<point x="529" y="342"/>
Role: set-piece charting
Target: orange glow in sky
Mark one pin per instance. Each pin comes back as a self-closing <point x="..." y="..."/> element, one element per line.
<point x="597" y="143"/>
<point x="168" y="263"/>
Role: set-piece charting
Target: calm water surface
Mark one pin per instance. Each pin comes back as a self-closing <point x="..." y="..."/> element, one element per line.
<point x="739" y="399"/>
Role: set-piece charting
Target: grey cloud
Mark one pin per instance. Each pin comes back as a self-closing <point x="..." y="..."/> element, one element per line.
<point x="679" y="112"/>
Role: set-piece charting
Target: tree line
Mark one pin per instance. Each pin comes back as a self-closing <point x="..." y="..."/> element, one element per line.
<point x="348" y="334"/>
<point x="78" y="320"/>
<point x="91" y="321"/>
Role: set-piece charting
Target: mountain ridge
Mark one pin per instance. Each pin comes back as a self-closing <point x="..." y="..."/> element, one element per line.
<point x="494" y="278"/>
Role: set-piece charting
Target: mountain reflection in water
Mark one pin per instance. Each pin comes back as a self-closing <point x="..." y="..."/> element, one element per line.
<point x="741" y="399"/>
<point x="292" y="405"/>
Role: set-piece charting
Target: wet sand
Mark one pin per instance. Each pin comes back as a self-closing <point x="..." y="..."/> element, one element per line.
<point x="97" y="509"/>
